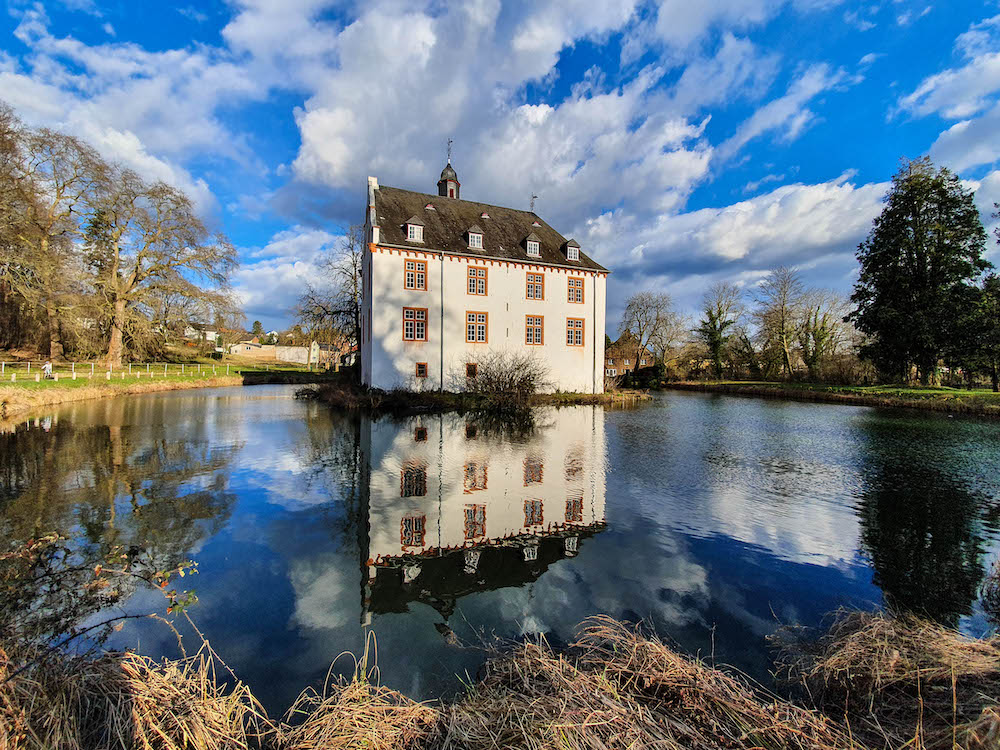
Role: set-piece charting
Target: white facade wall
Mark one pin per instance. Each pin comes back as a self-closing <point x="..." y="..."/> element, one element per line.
<point x="390" y="362"/>
<point x="561" y="464"/>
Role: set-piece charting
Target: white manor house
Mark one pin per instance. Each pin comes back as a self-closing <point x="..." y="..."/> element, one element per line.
<point x="447" y="280"/>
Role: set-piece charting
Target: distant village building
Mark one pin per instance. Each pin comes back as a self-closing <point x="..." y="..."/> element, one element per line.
<point x="623" y="355"/>
<point x="324" y="355"/>
<point x="199" y="332"/>
<point x="447" y="281"/>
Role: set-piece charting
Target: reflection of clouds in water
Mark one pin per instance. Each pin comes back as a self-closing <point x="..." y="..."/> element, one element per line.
<point x="656" y="580"/>
<point x="782" y="477"/>
<point x="817" y="533"/>
<point x="325" y="592"/>
<point x="286" y="478"/>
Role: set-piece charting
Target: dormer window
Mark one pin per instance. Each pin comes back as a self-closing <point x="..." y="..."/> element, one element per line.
<point x="572" y="250"/>
<point x="484" y="215"/>
<point x="414" y="229"/>
<point x="532" y="245"/>
<point x="475" y="235"/>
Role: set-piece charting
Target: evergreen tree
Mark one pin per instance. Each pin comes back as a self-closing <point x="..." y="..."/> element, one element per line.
<point x="989" y="328"/>
<point x="721" y="308"/>
<point x="924" y="247"/>
<point x="258" y="329"/>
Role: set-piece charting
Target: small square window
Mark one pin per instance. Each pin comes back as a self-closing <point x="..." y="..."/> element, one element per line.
<point x="476" y="241"/>
<point x="421" y="371"/>
<point x="477" y="280"/>
<point x="573" y="253"/>
<point x="575" y="290"/>
<point x="420" y="435"/>
<point x="476" y="328"/>
<point x="415" y="274"/>
<point x="471" y="370"/>
<point x="414" y="324"/>
<point x="574" y="332"/>
<point x="533" y="248"/>
<point x="413" y="481"/>
<point x="475" y="477"/>
<point x="533" y="471"/>
<point x="471" y="431"/>
<point x="535" y="288"/>
<point x="411" y="531"/>
<point x="533" y="325"/>
<point x="475" y="521"/>
<point x="414" y="233"/>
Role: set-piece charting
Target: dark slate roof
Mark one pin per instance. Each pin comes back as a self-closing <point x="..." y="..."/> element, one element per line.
<point x="448" y="173"/>
<point x="504" y="233"/>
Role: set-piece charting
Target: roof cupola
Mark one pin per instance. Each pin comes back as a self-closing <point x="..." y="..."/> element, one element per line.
<point x="448" y="185"/>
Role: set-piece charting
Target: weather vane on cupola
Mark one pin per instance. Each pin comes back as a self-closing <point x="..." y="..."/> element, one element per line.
<point x="449" y="150"/>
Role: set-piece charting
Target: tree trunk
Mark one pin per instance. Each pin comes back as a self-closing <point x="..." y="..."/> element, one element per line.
<point x="995" y="377"/>
<point x="55" y="331"/>
<point x="115" y="345"/>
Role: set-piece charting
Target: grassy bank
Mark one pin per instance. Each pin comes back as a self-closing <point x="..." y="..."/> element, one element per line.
<point x="345" y="395"/>
<point x="869" y="682"/>
<point x="951" y="400"/>
<point x="23" y="396"/>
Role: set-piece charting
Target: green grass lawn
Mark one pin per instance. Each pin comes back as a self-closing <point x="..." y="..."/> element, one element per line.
<point x="27" y="381"/>
<point x="888" y="391"/>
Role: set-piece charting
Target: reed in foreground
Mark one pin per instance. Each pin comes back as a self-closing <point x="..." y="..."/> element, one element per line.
<point x="906" y="685"/>
<point x="125" y="701"/>
<point x="899" y="681"/>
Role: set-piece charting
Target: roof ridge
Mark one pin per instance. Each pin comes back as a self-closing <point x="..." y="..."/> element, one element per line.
<point x="463" y="200"/>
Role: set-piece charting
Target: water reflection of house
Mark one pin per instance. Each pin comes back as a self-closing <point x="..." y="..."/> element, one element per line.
<point x="453" y="509"/>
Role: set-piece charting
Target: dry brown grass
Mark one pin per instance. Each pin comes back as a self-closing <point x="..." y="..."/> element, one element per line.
<point x="126" y="701"/>
<point x="358" y="713"/>
<point x="620" y="690"/>
<point x="906" y="684"/>
<point x="900" y="680"/>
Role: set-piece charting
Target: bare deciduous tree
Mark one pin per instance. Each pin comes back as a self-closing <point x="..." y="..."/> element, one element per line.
<point x="331" y="310"/>
<point x="778" y="299"/>
<point x="230" y="322"/>
<point x="51" y="182"/>
<point x="653" y="323"/>
<point x="145" y="240"/>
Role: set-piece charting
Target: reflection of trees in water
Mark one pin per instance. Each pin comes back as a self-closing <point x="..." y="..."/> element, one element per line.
<point x="921" y="526"/>
<point x="330" y="454"/>
<point x="133" y="485"/>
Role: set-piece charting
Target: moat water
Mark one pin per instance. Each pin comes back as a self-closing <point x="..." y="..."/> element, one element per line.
<point x="714" y="519"/>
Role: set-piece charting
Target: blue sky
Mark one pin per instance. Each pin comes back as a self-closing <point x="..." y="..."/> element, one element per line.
<point x="680" y="143"/>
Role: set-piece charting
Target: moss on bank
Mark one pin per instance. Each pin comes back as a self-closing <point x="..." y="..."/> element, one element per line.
<point x="911" y="684"/>
<point x="951" y="400"/>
